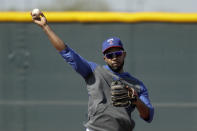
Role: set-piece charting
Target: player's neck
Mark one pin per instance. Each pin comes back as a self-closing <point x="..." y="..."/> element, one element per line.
<point x="121" y="70"/>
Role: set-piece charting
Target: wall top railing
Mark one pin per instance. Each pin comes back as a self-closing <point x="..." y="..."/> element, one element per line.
<point x="103" y="17"/>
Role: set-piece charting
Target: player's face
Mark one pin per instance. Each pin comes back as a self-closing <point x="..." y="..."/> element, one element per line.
<point x="114" y="57"/>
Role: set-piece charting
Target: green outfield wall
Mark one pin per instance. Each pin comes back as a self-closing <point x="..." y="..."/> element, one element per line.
<point x="39" y="91"/>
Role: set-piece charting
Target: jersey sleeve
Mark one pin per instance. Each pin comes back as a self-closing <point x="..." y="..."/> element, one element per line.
<point x="78" y="63"/>
<point x="145" y="98"/>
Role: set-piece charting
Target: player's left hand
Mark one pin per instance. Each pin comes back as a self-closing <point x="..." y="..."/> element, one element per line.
<point x="132" y="93"/>
<point x="122" y="95"/>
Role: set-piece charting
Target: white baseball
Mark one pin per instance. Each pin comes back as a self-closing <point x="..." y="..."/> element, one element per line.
<point x="36" y="12"/>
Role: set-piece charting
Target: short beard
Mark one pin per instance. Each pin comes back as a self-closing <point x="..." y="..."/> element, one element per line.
<point x="116" y="69"/>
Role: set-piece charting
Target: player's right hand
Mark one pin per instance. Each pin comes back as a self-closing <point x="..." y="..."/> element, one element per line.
<point x="41" y="20"/>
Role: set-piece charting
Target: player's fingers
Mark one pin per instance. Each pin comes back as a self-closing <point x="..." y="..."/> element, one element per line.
<point x="131" y="92"/>
<point x="33" y="17"/>
<point x="43" y="17"/>
<point x="35" y="21"/>
<point x="127" y="87"/>
<point x="135" y="94"/>
<point x="42" y="14"/>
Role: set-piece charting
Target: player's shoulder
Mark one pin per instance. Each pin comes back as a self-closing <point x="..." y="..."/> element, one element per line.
<point x="136" y="80"/>
<point x="93" y="65"/>
<point x="128" y="75"/>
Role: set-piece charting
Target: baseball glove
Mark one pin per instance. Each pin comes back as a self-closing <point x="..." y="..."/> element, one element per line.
<point x="121" y="94"/>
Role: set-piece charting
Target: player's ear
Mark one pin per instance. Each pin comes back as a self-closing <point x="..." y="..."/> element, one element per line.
<point x="105" y="59"/>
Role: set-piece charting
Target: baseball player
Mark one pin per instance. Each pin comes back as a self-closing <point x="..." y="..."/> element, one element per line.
<point x="113" y="93"/>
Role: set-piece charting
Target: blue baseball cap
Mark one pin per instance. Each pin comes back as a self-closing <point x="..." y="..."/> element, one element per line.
<point x="111" y="42"/>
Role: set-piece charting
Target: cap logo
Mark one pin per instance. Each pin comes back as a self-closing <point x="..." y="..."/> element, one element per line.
<point x="110" y="41"/>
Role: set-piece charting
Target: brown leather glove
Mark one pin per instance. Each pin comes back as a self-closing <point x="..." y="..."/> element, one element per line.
<point x="122" y="95"/>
